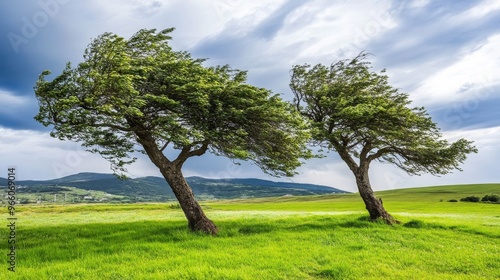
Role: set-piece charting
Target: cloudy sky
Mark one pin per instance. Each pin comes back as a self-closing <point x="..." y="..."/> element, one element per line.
<point x="443" y="53"/>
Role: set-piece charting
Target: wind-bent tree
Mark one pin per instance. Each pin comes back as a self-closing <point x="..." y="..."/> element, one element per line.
<point x="140" y="95"/>
<point x="356" y="113"/>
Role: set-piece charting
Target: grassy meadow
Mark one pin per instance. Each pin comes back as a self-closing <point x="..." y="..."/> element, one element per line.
<point x="314" y="237"/>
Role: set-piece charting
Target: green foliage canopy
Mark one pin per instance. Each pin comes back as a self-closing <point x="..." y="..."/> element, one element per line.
<point x="125" y="90"/>
<point x="355" y="112"/>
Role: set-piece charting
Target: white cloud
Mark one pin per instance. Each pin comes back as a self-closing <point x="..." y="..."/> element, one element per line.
<point x="480" y="10"/>
<point x="194" y="20"/>
<point x="323" y="30"/>
<point x="14" y="105"/>
<point x="38" y="156"/>
<point x="239" y="16"/>
<point x="485" y="139"/>
<point x="329" y="171"/>
<point x="473" y="76"/>
<point x="317" y="32"/>
<point x="416" y="4"/>
<point x="9" y="99"/>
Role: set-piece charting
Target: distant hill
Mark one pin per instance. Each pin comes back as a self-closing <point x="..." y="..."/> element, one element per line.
<point x="156" y="189"/>
<point x="438" y="193"/>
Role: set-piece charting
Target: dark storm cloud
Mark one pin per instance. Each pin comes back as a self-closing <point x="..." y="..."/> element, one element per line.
<point x="471" y="113"/>
<point x="20" y="115"/>
<point x="32" y="40"/>
<point x="29" y="42"/>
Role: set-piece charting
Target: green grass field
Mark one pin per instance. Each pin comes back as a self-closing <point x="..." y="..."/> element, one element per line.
<point x="316" y="237"/>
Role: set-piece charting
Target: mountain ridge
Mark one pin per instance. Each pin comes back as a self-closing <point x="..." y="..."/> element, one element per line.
<point x="152" y="188"/>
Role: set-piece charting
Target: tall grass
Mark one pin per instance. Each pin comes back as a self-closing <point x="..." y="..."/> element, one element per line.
<point x="297" y="238"/>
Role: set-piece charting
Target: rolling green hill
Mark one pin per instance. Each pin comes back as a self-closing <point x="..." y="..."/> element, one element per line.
<point x="156" y="189"/>
<point x="436" y="193"/>
<point x="423" y="198"/>
<point x="299" y="237"/>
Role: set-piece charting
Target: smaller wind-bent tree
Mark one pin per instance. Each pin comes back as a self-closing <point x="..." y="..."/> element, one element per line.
<point x="140" y="95"/>
<point x="356" y="113"/>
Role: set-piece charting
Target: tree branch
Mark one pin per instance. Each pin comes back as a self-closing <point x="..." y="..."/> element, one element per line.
<point x="113" y="126"/>
<point x="380" y="153"/>
<point x="344" y="155"/>
<point x="164" y="146"/>
<point x="186" y="152"/>
<point x="149" y="144"/>
<point x="200" y="151"/>
<point x="363" y="156"/>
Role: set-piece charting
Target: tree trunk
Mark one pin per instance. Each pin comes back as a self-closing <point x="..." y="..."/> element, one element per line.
<point x="171" y="171"/>
<point x="374" y="206"/>
<point x="197" y="221"/>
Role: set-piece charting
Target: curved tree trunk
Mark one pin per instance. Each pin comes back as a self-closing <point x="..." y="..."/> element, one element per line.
<point x="171" y="171"/>
<point x="197" y="221"/>
<point x="374" y="206"/>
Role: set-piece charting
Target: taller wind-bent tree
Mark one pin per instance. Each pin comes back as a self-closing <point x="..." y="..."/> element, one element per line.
<point x="140" y="95"/>
<point x="356" y="113"/>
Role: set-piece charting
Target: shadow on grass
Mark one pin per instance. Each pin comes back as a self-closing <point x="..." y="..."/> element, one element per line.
<point x="361" y="222"/>
<point x="338" y="272"/>
<point x="66" y="243"/>
<point x="117" y="234"/>
<point x="417" y="224"/>
<point x="74" y="241"/>
<point x="256" y="229"/>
